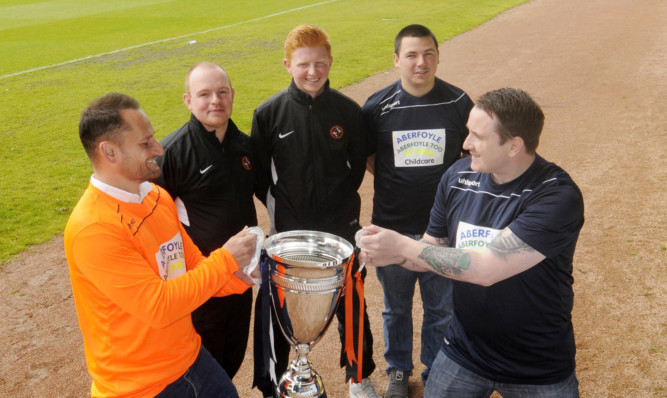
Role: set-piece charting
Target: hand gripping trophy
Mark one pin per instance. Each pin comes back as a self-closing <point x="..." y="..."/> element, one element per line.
<point x="307" y="271"/>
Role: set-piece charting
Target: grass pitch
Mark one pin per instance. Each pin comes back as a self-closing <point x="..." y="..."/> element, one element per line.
<point x="58" y="55"/>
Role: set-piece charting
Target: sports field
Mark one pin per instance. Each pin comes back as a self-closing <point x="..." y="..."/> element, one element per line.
<point x="58" y="55"/>
<point x="597" y="67"/>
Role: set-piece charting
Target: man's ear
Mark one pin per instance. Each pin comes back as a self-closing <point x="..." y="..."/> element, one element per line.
<point x="107" y="150"/>
<point x="187" y="100"/>
<point x="516" y="145"/>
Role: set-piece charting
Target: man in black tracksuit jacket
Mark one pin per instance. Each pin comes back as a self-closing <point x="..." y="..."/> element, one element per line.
<point x="316" y="149"/>
<point x="208" y="167"/>
<point x="311" y="142"/>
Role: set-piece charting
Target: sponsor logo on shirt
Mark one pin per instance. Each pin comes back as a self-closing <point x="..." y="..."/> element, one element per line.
<point x="391" y="106"/>
<point x="336" y="132"/>
<point x="283" y="135"/>
<point x="468" y="183"/>
<point x="205" y="169"/>
<point x="473" y="237"/>
<point x="171" y="258"/>
<point x="415" y="148"/>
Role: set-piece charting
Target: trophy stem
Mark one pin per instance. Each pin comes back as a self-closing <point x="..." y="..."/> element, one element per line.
<point x="301" y="380"/>
<point x="301" y="361"/>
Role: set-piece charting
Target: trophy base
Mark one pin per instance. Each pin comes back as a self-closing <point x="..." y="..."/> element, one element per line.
<point x="301" y="381"/>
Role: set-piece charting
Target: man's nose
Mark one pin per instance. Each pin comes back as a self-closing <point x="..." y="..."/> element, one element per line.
<point x="466" y="144"/>
<point x="158" y="148"/>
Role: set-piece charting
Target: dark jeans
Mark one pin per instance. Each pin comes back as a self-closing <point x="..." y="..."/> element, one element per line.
<point x="223" y="324"/>
<point x="398" y="287"/>
<point x="204" y="379"/>
<point x="449" y="379"/>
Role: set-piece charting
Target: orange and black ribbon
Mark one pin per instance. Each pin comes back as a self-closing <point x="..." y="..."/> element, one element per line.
<point x="354" y="281"/>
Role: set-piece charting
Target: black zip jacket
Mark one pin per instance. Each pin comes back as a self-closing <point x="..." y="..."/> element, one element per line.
<point x="313" y="153"/>
<point x="214" y="180"/>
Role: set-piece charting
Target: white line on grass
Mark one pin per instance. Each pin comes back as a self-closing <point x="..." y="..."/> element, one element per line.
<point x="161" y="41"/>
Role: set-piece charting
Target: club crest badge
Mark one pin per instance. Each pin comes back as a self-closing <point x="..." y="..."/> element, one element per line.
<point x="336" y="132"/>
<point x="246" y="163"/>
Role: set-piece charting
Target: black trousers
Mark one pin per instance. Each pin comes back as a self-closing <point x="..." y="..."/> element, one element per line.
<point x="224" y="324"/>
<point x="282" y="346"/>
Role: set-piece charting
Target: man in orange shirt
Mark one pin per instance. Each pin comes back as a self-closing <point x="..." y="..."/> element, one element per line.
<point x="136" y="274"/>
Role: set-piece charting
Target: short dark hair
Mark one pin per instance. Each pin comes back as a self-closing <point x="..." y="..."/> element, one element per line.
<point x="516" y="114"/>
<point x="102" y="120"/>
<point x="414" y="30"/>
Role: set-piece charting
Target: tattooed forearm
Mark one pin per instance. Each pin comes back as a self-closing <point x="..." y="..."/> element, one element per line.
<point x="446" y="261"/>
<point x="439" y="241"/>
<point x="507" y="243"/>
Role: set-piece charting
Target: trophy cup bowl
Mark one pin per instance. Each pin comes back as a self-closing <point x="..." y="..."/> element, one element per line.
<point x="307" y="274"/>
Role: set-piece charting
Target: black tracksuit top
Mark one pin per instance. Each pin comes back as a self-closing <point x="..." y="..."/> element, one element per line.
<point x="215" y="181"/>
<point x="313" y="153"/>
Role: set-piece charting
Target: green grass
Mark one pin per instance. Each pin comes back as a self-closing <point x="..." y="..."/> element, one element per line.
<point x="44" y="169"/>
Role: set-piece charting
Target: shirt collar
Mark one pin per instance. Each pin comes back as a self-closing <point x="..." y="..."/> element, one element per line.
<point x="231" y="129"/>
<point x="124" y="196"/>
<point x="302" y="96"/>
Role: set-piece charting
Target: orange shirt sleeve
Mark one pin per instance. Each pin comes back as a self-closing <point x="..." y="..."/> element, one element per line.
<point x="193" y="258"/>
<point x="126" y="278"/>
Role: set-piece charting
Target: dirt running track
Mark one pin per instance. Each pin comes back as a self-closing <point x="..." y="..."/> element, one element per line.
<point x="599" y="69"/>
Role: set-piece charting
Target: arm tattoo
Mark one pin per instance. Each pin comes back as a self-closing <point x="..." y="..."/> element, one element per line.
<point x="507" y="243"/>
<point x="439" y="241"/>
<point x="446" y="260"/>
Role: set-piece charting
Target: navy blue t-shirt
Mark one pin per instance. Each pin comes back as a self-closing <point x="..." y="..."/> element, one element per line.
<point x="415" y="139"/>
<point x="518" y="330"/>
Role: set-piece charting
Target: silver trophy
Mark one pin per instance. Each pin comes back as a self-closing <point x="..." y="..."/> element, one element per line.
<point x="307" y="273"/>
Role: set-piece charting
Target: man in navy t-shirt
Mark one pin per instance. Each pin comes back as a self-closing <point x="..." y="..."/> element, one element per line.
<point x="416" y="126"/>
<point x="504" y="227"/>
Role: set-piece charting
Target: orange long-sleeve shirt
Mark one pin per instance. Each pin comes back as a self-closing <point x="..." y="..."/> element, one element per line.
<point x="133" y="296"/>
